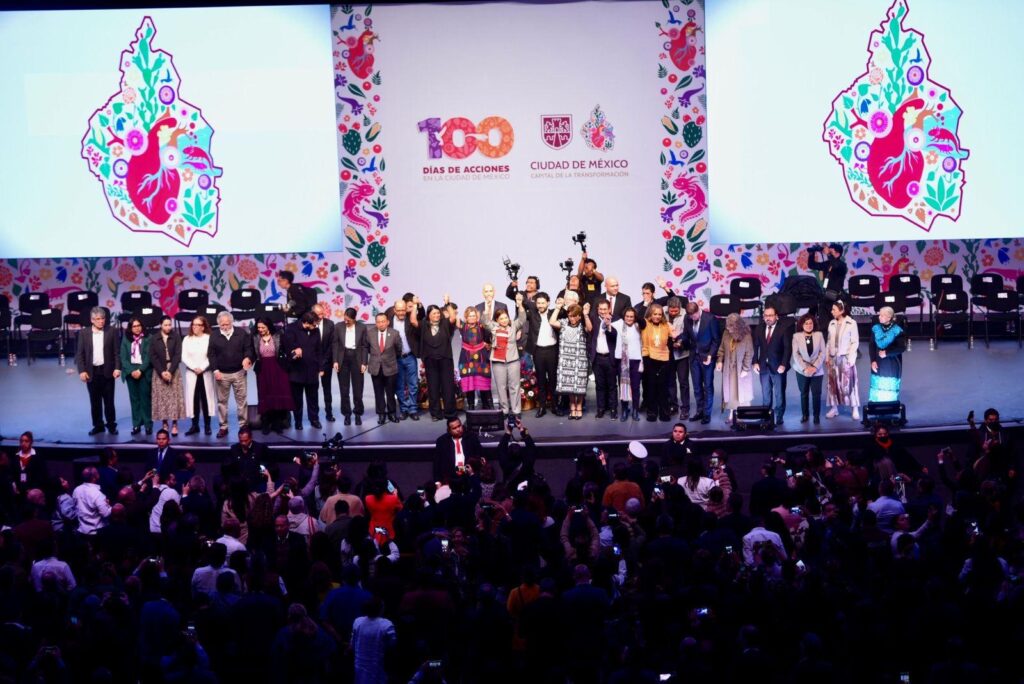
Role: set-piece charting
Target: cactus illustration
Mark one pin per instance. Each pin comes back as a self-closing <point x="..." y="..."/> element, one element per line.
<point x="675" y="248"/>
<point x="352" y="141"/>
<point x="691" y="134"/>
<point x="376" y="253"/>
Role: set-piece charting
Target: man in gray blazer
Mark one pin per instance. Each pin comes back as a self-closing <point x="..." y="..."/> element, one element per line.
<point x="384" y="346"/>
<point x="349" y="355"/>
<point x="99" y="365"/>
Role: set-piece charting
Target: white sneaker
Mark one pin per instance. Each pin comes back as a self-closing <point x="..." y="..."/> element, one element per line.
<point x="856" y="413"/>
<point x="832" y="412"/>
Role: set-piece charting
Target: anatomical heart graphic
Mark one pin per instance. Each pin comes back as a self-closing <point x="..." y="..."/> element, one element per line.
<point x="150" y="149"/>
<point x="894" y="130"/>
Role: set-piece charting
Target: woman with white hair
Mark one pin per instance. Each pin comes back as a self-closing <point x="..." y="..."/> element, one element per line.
<point x="735" y="355"/>
<point x="886" y="346"/>
<point x="841" y="362"/>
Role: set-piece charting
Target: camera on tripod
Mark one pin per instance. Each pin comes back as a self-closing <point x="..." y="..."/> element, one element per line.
<point x="566" y="266"/>
<point x="512" y="270"/>
<point x="580" y="239"/>
<point x="332" y="448"/>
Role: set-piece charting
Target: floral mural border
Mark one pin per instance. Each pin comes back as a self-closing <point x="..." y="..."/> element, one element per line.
<point x="359" y="275"/>
<point x="698" y="269"/>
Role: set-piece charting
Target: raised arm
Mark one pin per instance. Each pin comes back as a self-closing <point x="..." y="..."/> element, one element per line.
<point x="414" y="311"/>
<point x="553" y="318"/>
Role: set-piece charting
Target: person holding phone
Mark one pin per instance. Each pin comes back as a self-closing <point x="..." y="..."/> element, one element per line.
<point x="301" y="344"/>
<point x="383" y="503"/>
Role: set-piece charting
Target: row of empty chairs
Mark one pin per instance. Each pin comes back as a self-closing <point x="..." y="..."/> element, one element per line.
<point x="48" y="324"/>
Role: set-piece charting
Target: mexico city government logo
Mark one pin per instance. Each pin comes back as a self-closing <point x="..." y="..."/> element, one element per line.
<point x="150" y="149"/>
<point x="556" y="130"/>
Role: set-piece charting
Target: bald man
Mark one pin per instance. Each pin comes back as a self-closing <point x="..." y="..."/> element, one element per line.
<point x="618" y="301"/>
<point x="489" y="308"/>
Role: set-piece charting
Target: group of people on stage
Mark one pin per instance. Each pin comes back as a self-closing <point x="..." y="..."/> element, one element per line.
<point x="646" y="357"/>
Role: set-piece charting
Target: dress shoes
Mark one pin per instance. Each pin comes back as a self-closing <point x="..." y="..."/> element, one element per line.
<point x="804" y="419"/>
<point x="194" y="430"/>
<point x="393" y="418"/>
<point x="138" y="428"/>
<point x="298" y="425"/>
<point x="695" y="417"/>
<point x="600" y="413"/>
<point x="817" y="420"/>
<point x="778" y="421"/>
<point x="316" y="424"/>
<point x="613" y="414"/>
<point x="402" y="415"/>
<point x="705" y="420"/>
<point x="329" y="417"/>
<point x="96" y="431"/>
<point x="414" y="416"/>
<point x="651" y="418"/>
<point x="359" y="420"/>
<point x="381" y="419"/>
<point x="665" y="417"/>
<point x="112" y="429"/>
<point x="541" y="412"/>
<point x="222" y="432"/>
<point x="348" y="420"/>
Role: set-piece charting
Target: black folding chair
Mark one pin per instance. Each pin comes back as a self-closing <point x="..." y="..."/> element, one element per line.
<point x="940" y="284"/>
<point x="951" y="307"/>
<point x="150" y="317"/>
<point x="863" y="290"/>
<point x="722" y="305"/>
<point x="245" y="303"/>
<point x="189" y="303"/>
<point x="272" y="312"/>
<point x="47" y="327"/>
<point x="28" y="304"/>
<point x="1002" y="306"/>
<point x="909" y="285"/>
<point x="747" y="291"/>
<point x="131" y="302"/>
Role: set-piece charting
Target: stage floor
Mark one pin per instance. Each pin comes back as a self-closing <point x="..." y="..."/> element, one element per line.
<point x="939" y="387"/>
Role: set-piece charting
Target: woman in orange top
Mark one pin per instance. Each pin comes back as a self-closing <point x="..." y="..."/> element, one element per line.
<point x="382" y="503"/>
<point x="655" y="340"/>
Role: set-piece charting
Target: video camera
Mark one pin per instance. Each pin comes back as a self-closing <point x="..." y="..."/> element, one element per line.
<point x="580" y="239"/>
<point x="815" y="248"/>
<point x="566" y="267"/>
<point x="512" y="270"/>
<point x="332" y="449"/>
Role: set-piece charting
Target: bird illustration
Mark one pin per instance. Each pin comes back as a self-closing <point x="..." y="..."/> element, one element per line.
<point x="892" y="165"/>
<point x="360" y="53"/>
<point x="672" y="18"/>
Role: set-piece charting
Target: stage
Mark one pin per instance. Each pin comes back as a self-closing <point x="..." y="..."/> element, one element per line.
<point x="939" y="387"/>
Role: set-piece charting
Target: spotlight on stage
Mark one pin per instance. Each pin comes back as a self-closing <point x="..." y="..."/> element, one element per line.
<point x="484" y="420"/>
<point x="892" y="413"/>
<point x="753" y="418"/>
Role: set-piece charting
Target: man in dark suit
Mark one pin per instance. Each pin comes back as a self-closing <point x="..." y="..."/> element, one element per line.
<point x="453" y="450"/>
<point x="301" y="343"/>
<point x="773" y="351"/>
<point x="489" y="308"/>
<point x="348" y="355"/>
<point x="30" y="468"/>
<point x="163" y="459"/>
<point x="601" y="352"/>
<point x="703" y="337"/>
<point x="287" y="554"/>
<point x="408" y="378"/>
<point x="326" y="328"/>
<point x="618" y="301"/>
<point x="244" y="460"/>
<point x="298" y="298"/>
<point x="384" y="347"/>
<point x="99" y="365"/>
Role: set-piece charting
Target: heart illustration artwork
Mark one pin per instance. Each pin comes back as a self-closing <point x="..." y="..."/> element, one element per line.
<point x="150" y="149"/>
<point x="894" y="131"/>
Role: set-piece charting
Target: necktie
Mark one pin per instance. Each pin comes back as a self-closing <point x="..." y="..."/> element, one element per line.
<point x="159" y="457"/>
<point x="382" y="342"/>
<point x="460" y="459"/>
<point x="768" y="337"/>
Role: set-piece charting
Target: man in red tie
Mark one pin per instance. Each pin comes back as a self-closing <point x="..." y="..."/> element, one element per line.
<point x="454" y="451"/>
<point x="382" y="364"/>
<point x="773" y="349"/>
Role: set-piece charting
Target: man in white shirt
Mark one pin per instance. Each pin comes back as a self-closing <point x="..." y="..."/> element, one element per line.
<point x="542" y="344"/>
<point x="92" y="506"/>
<point x="232" y="531"/>
<point x="49" y="564"/>
<point x="167" y="493"/>
<point x="99" y="365"/>
<point x="886" y="508"/>
<point x="759" y="536"/>
<point x="204" y="579"/>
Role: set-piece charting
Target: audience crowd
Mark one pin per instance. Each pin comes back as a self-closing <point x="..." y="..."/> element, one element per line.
<point x="660" y="566"/>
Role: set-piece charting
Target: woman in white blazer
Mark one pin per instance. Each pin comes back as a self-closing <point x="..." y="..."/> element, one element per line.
<point x="200" y="396"/>
<point x="841" y="362"/>
<point x="809" y="366"/>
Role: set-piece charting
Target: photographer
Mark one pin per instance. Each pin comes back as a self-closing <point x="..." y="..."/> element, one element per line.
<point x="590" y="278"/>
<point x="516" y="461"/>
<point x="833" y="270"/>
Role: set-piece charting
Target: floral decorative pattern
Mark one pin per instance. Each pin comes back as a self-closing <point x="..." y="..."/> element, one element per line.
<point x="894" y="131"/>
<point x="150" y="149"/>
